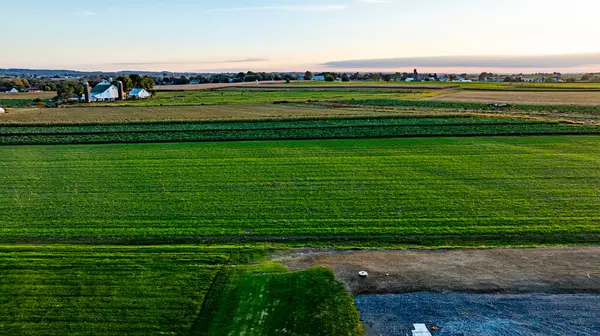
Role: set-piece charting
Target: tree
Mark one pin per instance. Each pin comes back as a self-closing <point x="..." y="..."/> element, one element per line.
<point x="146" y="83"/>
<point x="127" y="82"/>
<point x="345" y="78"/>
<point x="329" y="78"/>
<point x="65" y="91"/>
<point x="585" y="78"/>
<point x="136" y="79"/>
<point x="308" y="75"/>
<point x="387" y="77"/>
<point x="40" y="105"/>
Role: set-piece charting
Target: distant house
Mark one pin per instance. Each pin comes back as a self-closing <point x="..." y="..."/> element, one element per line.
<point x="139" y="94"/>
<point x="409" y="79"/>
<point x="13" y="91"/>
<point x="32" y="89"/>
<point x="319" y="78"/>
<point x="104" y="91"/>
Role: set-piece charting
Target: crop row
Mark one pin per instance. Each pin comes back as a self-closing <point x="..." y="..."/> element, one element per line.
<point x="316" y="123"/>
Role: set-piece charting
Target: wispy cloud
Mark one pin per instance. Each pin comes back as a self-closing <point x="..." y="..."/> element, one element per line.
<point x="377" y="1"/>
<point x="298" y="8"/>
<point x="86" y="13"/>
<point x="499" y="61"/>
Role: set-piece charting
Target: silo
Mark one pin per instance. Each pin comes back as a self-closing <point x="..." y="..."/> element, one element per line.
<point x="120" y="88"/>
<point x="86" y="92"/>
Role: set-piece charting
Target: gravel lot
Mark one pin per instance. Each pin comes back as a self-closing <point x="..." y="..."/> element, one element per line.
<point x="482" y="314"/>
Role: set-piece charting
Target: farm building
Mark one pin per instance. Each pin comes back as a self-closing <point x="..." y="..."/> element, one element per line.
<point x="104" y="91"/>
<point x="139" y="94"/>
<point x="12" y="91"/>
<point x="319" y="78"/>
<point x="32" y="89"/>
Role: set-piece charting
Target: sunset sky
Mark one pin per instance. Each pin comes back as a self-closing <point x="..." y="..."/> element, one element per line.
<point x="293" y="35"/>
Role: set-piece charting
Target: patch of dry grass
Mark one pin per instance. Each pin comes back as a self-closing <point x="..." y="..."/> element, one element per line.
<point x="523" y="97"/>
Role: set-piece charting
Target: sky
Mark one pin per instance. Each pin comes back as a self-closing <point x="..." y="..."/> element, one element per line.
<point x="296" y="35"/>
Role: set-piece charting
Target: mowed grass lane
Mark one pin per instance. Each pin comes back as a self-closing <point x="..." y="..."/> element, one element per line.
<point x="439" y="191"/>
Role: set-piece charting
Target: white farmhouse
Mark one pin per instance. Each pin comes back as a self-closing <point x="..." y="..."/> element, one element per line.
<point x="139" y="94"/>
<point x="104" y="91"/>
<point x="13" y="91"/>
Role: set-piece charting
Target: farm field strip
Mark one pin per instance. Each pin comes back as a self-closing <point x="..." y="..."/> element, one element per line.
<point x="590" y="109"/>
<point x="126" y="115"/>
<point x="266" y="124"/>
<point x="459" y="187"/>
<point x="356" y="131"/>
<point x="164" y="290"/>
<point x="535" y="98"/>
<point x="104" y="290"/>
<point x="465" y="86"/>
<point x="28" y="95"/>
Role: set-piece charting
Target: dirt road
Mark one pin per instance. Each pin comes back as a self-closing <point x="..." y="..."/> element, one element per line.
<point x="541" y="270"/>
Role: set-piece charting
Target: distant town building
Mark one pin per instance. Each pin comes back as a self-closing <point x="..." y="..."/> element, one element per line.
<point x="32" y="89"/>
<point x="319" y="78"/>
<point x="104" y="91"/>
<point x="139" y="94"/>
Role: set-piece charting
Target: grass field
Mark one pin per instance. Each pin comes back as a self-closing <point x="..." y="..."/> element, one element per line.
<point x="538" y="98"/>
<point x="163" y="290"/>
<point x="246" y="96"/>
<point x="436" y="192"/>
<point x="268" y="300"/>
<point x="382" y="127"/>
<point x="82" y="290"/>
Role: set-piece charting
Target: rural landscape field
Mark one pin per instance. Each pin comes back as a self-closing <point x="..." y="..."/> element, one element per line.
<point x="161" y="216"/>
<point x="300" y="168"/>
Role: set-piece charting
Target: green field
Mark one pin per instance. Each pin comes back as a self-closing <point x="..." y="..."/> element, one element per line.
<point x="246" y="96"/>
<point x="589" y="109"/>
<point x="268" y="300"/>
<point x="162" y="290"/>
<point x="383" y="127"/>
<point x="436" y="192"/>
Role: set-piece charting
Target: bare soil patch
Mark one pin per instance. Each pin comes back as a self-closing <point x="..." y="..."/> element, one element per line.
<point x="517" y="97"/>
<point x="28" y="95"/>
<point x="538" y="270"/>
<point x="177" y="113"/>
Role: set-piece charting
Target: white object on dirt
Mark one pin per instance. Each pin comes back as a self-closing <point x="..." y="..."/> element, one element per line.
<point x="363" y="274"/>
<point x="421" y="330"/>
<point x="2" y="110"/>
